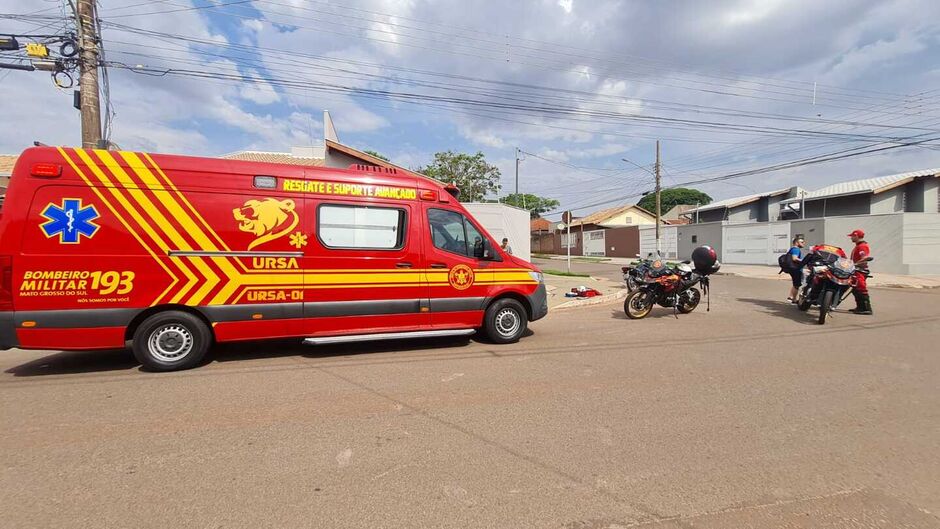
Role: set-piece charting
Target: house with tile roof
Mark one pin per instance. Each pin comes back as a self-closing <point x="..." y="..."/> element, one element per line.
<point x="629" y="215"/>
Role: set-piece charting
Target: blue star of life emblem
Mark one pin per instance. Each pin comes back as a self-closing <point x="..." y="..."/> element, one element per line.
<point x="69" y="221"/>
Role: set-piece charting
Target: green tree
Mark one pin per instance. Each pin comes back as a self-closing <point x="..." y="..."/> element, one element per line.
<point x="377" y="155"/>
<point x="469" y="172"/>
<point x="534" y="203"/>
<point x="670" y="198"/>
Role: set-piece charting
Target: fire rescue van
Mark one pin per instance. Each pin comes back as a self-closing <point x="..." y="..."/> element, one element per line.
<point x="99" y="249"/>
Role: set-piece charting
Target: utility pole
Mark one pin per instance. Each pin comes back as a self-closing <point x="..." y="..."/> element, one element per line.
<point x="86" y="21"/>
<point x="658" y="203"/>
<point x="517" y="171"/>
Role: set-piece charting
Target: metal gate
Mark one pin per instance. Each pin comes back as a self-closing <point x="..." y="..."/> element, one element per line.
<point x="594" y="243"/>
<point x="759" y="243"/>
<point x="669" y="239"/>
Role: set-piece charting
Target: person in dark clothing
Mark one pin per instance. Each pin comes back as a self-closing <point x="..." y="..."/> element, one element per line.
<point x="796" y="267"/>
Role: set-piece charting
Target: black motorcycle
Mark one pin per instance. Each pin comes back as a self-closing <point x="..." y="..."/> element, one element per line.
<point x="633" y="274"/>
<point x="673" y="287"/>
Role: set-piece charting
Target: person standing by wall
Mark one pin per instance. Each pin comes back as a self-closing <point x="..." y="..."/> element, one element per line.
<point x="795" y="254"/>
<point x="505" y="246"/>
<point x="861" y="255"/>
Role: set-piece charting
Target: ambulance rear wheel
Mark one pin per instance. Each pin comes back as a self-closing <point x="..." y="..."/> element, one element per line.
<point x="505" y="321"/>
<point x="170" y="341"/>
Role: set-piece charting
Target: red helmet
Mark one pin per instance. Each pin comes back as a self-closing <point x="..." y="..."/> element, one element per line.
<point x="704" y="258"/>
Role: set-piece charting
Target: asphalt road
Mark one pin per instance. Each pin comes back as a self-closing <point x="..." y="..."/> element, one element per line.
<point x="749" y="415"/>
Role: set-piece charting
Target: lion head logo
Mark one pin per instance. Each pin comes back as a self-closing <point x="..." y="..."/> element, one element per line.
<point x="267" y="219"/>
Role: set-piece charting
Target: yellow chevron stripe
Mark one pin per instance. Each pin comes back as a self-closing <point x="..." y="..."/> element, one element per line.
<point x="185" y="201"/>
<point x="126" y="225"/>
<point x="114" y="188"/>
<point x="139" y="219"/>
<point x="191" y="227"/>
<point x="154" y="213"/>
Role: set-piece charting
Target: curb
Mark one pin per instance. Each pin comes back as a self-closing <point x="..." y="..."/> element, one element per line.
<point x="598" y="300"/>
<point x="875" y="284"/>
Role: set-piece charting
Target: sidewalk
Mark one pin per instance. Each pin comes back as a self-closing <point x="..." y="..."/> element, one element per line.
<point x="878" y="279"/>
<point x="558" y="285"/>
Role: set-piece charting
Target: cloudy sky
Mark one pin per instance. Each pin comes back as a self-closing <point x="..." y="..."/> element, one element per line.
<point x="728" y="86"/>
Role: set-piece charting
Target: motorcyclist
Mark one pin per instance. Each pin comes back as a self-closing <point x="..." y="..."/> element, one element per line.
<point x="796" y="267"/>
<point x="861" y="254"/>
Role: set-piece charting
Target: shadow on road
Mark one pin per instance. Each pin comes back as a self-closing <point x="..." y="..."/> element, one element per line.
<point x="783" y="309"/>
<point x="74" y="362"/>
<point x="657" y="313"/>
<point x="78" y="362"/>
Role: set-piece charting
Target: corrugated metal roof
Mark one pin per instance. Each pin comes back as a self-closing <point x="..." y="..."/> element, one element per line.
<point x="737" y="201"/>
<point x="273" y="157"/>
<point x="868" y="185"/>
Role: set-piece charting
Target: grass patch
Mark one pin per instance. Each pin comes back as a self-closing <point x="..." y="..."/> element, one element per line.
<point x="578" y="258"/>
<point x="565" y="274"/>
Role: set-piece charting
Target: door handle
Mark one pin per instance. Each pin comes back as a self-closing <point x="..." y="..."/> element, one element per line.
<point x="403" y="264"/>
<point x="438" y="265"/>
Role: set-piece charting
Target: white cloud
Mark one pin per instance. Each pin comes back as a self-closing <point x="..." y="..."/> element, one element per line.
<point x="261" y="93"/>
<point x="612" y="59"/>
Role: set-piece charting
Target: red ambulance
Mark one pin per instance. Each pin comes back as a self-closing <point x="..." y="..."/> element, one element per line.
<point x="171" y="253"/>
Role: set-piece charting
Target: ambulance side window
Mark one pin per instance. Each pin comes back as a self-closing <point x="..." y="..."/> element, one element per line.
<point x="361" y="227"/>
<point x="452" y="232"/>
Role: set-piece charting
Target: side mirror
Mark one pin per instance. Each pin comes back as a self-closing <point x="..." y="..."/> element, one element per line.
<point x="485" y="251"/>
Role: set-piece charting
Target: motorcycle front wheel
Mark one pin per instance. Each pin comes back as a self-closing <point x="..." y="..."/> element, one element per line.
<point x="631" y="282"/>
<point x="638" y="304"/>
<point x="689" y="300"/>
<point x="802" y="301"/>
<point x="824" y="305"/>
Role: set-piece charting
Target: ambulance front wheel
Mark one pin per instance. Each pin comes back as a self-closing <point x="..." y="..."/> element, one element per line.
<point x="170" y="341"/>
<point x="505" y="321"/>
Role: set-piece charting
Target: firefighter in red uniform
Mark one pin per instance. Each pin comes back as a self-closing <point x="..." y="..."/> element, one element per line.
<point x="861" y="254"/>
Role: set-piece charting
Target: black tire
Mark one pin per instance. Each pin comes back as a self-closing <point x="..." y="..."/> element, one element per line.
<point x="505" y="321"/>
<point x="631" y="283"/>
<point x="171" y="341"/>
<point x="638" y="304"/>
<point x="695" y="299"/>
<point x="803" y="302"/>
<point x="824" y="304"/>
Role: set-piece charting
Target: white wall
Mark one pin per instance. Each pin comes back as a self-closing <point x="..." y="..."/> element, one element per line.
<point x="754" y="242"/>
<point x="501" y="221"/>
<point x="891" y="201"/>
<point x="921" y="243"/>
<point x="883" y="232"/>
<point x="669" y="239"/>
<point x="594" y="243"/>
<point x="932" y="195"/>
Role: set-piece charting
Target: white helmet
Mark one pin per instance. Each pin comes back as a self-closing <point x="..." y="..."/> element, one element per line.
<point x="685" y="268"/>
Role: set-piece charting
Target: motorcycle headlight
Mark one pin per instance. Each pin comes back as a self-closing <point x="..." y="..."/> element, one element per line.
<point x="537" y="276"/>
<point x="819" y="269"/>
